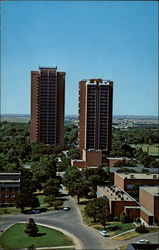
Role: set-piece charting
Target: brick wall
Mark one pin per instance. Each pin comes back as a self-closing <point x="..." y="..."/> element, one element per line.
<point x="118" y="206"/>
<point x="93" y="157"/>
<point x="146" y="200"/>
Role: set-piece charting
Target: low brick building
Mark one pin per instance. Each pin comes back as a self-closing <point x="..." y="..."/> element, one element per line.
<point x="126" y="181"/>
<point x="118" y="199"/>
<point x="149" y="201"/>
<point x="112" y="160"/>
<point x="9" y="186"/>
<point x="90" y="159"/>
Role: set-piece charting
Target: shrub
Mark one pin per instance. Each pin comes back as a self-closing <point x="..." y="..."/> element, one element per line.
<point x="142" y="229"/>
<point x="138" y="220"/>
<point x="116" y="218"/>
<point x="123" y="218"/>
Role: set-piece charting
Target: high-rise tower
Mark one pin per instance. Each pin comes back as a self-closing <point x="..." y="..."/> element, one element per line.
<point x="95" y="114"/>
<point x="47" y="106"/>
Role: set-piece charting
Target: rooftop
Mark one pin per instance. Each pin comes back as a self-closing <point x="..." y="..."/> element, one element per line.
<point x="9" y="181"/>
<point x="138" y="176"/>
<point x="114" y="193"/>
<point x="54" y="68"/>
<point x="152" y="190"/>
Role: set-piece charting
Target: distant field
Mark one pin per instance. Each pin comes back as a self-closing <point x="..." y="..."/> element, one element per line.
<point x="16" y="119"/>
<point x="152" y="149"/>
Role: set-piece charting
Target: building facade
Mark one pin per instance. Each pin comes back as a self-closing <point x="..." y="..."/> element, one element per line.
<point x="95" y="114"/>
<point x="126" y="181"/>
<point x="149" y="201"/>
<point x="118" y="199"/>
<point x="47" y="106"/>
<point x="9" y="187"/>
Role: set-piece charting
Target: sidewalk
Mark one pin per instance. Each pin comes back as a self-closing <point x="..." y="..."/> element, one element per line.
<point x="122" y="233"/>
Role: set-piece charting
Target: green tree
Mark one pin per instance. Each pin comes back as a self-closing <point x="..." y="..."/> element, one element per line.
<point x="31" y="228"/>
<point x="98" y="209"/>
<point x="25" y="199"/>
<point x="80" y="189"/>
<point x="71" y="175"/>
<point x="57" y="204"/>
<point x="51" y="187"/>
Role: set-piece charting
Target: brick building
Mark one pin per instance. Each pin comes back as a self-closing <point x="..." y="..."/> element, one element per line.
<point x="126" y="181"/>
<point x="95" y="114"/>
<point x="90" y="158"/>
<point x="47" y="106"/>
<point x="9" y="187"/>
<point x="112" y="160"/>
<point x="149" y="201"/>
<point x="118" y="199"/>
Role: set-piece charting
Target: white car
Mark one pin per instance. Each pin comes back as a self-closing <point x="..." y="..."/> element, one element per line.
<point x="66" y="208"/>
<point x="142" y="241"/>
<point x="104" y="233"/>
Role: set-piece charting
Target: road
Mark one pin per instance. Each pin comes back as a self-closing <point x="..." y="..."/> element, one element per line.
<point x="71" y="221"/>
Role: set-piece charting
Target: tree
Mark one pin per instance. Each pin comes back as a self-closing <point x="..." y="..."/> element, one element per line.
<point x="45" y="168"/>
<point x="98" y="209"/>
<point x="31" y="228"/>
<point x="51" y="187"/>
<point x="71" y="175"/>
<point x="57" y="204"/>
<point x="25" y="199"/>
<point x="80" y="189"/>
<point x="103" y="210"/>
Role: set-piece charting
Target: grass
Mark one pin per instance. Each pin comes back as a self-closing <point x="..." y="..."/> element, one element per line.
<point x="15" y="237"/>
<point x="70" y="248"/>
<point x="127" y="236"/>
<point x="115" y="228"/>
<point x="123" y="247"/>
<point x="153" y="149"/>
<point x="9" y="210"/>
<point x="14" y="210"/>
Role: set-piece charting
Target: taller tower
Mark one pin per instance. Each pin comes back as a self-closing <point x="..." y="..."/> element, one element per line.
<point x="95" y="114"/>
<point x="47" y="106"/>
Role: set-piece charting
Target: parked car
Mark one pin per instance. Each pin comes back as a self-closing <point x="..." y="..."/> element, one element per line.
<point x="142" y="241"/>
<point x="34" y="211"/>
<point x="104" y="233"/>
<point x="66" y="208"/>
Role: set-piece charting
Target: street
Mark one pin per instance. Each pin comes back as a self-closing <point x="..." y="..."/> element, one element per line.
<point x="71" y="221"/>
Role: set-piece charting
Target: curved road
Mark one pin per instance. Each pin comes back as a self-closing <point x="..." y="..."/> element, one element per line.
<point x="71" y="221"/>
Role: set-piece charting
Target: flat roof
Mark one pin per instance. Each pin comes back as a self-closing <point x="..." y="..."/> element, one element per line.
<point x="114" y="193"/>
<point x="152" y="190"/>
<point x="7" y="173"/>
<point x="138" y="176"/>
<point x="132" y="207"/>
<point x="118" y="158"/>
<point x="9" y="181"/>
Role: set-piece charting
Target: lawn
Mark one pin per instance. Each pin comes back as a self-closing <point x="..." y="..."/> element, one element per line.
<point x="9" y="210"/>
<point x="15" y="237"/>
<point x="14" y="210"/>
<point x="115" y="228"/>
<point x="127" y="236"/>
<point x="153" y="149"/>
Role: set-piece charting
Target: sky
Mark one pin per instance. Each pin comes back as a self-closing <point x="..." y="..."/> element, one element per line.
<point x="114" y="40"/>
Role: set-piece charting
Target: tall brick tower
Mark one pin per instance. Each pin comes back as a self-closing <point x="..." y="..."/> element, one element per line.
<point x="47" y="106"/>
<point x="95" y="114"/>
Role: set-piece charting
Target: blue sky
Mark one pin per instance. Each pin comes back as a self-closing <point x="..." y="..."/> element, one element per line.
<point x="100" y="39"/>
